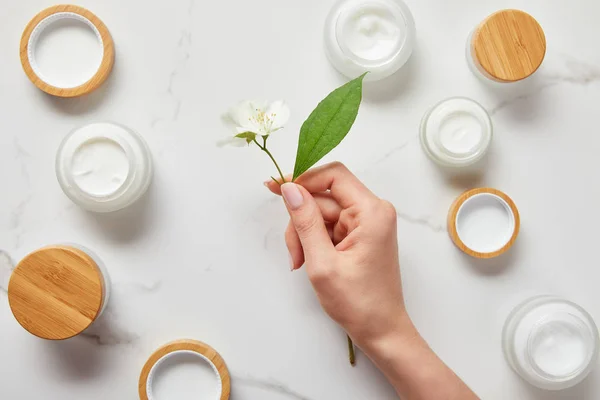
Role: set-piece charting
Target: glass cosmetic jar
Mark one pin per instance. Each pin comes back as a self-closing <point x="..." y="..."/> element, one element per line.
<point x="103" y="167"/>
<point x="508" y="46"/>
<point x="375" y="36"/>
<point x="58" y="291"/>
<point x="456" y="132"/>
<point x="550" y="342"/>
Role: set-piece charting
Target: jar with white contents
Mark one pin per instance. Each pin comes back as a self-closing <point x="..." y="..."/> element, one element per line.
<point x="375" y="36"/>
<point x="103" y="167"/>
<point x="507" y="47"/>
<point x="550" y="342"/>
<point x="456" y="132"/>
<point x="59" y="291"/>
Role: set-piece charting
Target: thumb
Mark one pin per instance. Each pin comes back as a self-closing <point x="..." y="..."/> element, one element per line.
<point x="307" y="220"/>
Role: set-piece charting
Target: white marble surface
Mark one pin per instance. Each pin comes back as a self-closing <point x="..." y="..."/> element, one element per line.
<point x="203" y="256"/>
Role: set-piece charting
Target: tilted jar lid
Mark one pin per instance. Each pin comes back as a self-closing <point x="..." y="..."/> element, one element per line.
<point x="56" y="292"/>
<point x="509" y="45"/>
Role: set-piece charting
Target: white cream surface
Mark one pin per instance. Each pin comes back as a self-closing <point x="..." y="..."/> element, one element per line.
<point x="371" y="31"/>
<point x="559" y="348"/>
<point x="551" y="342"/>
<point x="460" y="133"/>
<point x="484" y="223"/>
<point x="456" y="132"/>
<point x="100" y="166"/>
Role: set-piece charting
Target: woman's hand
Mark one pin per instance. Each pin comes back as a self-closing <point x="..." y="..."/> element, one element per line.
<point x="346" y="238"/>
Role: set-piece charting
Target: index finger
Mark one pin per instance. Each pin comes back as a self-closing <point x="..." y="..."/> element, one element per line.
<point x="344" y="186"/>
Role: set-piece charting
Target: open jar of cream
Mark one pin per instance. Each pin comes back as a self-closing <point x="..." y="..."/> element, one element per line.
<point x="550" y="342"/>
<point x="58" y="291"/>
<point x="507" y="46"/>
<point x="456" y="132"/>
<point x="103" y="166"/>
<point x="375" y="36"/>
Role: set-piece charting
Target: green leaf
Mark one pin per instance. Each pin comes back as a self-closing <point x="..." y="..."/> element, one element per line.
<point x="249" y="136"/>
<point x="328" y="125"/>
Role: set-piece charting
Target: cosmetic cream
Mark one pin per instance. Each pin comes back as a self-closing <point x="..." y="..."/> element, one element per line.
<point x="508" y="46"/>
<point x="456" y="132"/>
<point x="375" y="36"/>
<point x="550" y="342"/>
<point x="58" y="291"/>
<point x="103" y="166"/>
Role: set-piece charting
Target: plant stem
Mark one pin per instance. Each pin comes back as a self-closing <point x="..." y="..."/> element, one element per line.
<point x="351" y="354"/>
<point x="264" y="148"/>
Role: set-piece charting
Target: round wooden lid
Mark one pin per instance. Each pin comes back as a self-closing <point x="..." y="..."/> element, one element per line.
<point x="509" y="45"/>
<point x="56" y="292"/>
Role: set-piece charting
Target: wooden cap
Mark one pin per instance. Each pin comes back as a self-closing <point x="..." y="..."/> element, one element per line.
<point x="185" y="345"/>
<point x="108" y="57"/>
<point x="508" y="46"/>
<point x="56" y="292"/>
<point x="453" y="228"/>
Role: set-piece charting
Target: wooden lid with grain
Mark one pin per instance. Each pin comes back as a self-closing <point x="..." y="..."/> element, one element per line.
<point x="453" y="215"/>
<point x="508" y="46"/>
<point x="108" y="56"/>
<point x="56" y="292"/>
<point x="185" y="345"/>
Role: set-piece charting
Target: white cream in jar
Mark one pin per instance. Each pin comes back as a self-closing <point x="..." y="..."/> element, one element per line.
<point x="456" y="132"/>
<point x="550" y="342"/>
<point x="375" y="36"/>
<point x="103" y="166"/>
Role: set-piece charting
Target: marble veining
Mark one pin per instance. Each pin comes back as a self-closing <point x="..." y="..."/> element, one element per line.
<point x="204" y="256"/>
<point x="578" y="73"/>
<point x="184" y="45"/>
<point x="425" y="221"/>
<point x="6" y="268"/>
<point x="269" y="386"/>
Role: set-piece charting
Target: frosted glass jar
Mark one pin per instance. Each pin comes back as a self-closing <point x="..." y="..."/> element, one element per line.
<point x="508" y="46"/>
<point x="456" y="132"/>
<point x="375" y="36"/>
<point x="550" y="342"/>
<point x="103" y="167"/>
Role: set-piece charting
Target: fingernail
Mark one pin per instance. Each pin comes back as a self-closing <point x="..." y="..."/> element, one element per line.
<point x="291" y="260"/>
<point x="266" y="183"/>
<point x="292" y="195"/>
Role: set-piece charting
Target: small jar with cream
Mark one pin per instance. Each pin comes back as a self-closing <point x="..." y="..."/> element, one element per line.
<point x="375" y="36"/>
<point x="550" y="342"/>
<point x="508" y="46"/>
<point x="103" y="167"/>
<point x="456" y="132"/>
<point x="57" y="292"/>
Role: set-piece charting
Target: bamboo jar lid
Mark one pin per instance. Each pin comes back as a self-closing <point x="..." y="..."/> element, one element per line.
<point x="508" y="46"/>
<point x="46" y="18"/>
<point x="185" y="346"/>
<point x="56" y="292"/>
<point x="484" y="222"/>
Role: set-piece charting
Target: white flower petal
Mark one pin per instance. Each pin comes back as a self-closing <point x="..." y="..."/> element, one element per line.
<point x="242" y="113"/>
<point x="279" y="112"/>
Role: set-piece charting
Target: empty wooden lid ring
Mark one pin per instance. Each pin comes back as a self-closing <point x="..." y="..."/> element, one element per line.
<point x="484" y="223"/>
<point x="185" y="346"/>
<point x="46" y="18"/>
<point x="507" y="46"/>
<point x="58" y="291"/>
